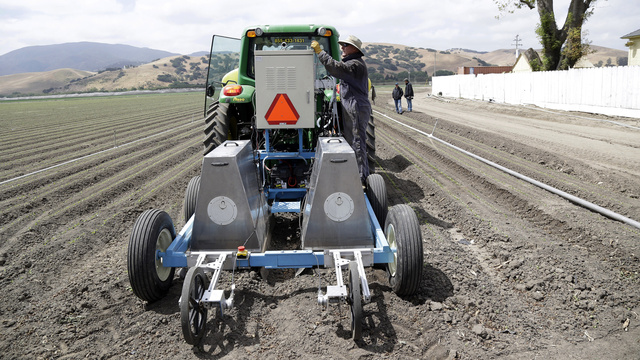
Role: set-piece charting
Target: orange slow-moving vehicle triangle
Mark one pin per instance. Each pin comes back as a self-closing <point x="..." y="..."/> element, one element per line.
<point x="282" y="111"/>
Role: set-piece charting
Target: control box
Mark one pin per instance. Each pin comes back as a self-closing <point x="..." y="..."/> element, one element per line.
<point x="285" y="81"/>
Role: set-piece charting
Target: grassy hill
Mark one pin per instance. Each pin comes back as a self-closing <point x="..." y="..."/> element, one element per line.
<point x="507" y="56"/>
<point x="173" y="71"/>
<point x="39" y="82"/>
<point x="392" y="59"/>
<point x="385" y="61"/>
<point x="89" y="56"/>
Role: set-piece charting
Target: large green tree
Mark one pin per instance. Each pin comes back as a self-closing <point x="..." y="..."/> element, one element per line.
<point x="561" y="47"/>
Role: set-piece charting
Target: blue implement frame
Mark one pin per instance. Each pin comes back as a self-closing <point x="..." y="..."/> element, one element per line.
<point x="177" y="253"/>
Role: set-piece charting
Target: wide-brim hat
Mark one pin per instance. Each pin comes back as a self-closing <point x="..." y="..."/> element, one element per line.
<point x="352" y="40"/>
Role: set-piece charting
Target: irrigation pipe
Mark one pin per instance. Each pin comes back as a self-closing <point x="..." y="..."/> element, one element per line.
<point x="86" y="156"/>
<point x="574" y="199"/>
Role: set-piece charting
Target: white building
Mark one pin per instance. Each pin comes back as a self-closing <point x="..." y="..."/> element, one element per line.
<point x="634" y="47"/>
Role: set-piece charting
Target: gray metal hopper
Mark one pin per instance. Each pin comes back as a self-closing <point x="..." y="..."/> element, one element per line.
<point x="230" y="210"/>
<point x="335" y="213"/>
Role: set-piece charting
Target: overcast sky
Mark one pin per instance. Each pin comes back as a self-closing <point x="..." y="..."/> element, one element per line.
<point x="186" y="26"/>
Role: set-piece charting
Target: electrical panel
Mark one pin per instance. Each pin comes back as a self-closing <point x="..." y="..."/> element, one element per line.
<point x="285" y="81"/>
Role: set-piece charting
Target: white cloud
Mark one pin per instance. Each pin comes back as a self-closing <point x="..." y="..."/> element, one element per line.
<point x="187" y="26"/>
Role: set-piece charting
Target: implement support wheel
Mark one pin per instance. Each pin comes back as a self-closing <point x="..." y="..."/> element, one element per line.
<point x="402" y="231"/>
<point x="152" y="232"/>
<point x="355" y="298"/>
<point x="371" y="141"/>
<point x="193" y="314"/>
<point x="190" y="197"/>
<point x="377" y="194"/>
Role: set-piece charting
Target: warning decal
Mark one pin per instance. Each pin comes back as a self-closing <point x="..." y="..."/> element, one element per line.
<point x="282" y="111"/>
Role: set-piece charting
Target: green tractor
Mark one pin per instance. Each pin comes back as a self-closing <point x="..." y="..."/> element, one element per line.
<point x="273" y="146"/>
<point x="230" y="112"/>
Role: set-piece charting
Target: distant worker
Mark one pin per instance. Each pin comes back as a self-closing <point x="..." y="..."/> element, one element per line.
<point x="397" y="98"/>
<point x="373" y="94"/>
<point x="354" y="94"/>
<point x="408" y="93"/>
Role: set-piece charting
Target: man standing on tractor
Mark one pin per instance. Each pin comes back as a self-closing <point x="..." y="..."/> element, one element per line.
<point x="354" y="95"/>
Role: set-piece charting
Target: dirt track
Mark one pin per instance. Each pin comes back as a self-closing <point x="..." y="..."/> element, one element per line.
<point x="511" y="270"/>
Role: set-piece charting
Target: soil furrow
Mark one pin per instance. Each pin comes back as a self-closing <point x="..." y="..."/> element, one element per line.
<point x="510" y="270"/>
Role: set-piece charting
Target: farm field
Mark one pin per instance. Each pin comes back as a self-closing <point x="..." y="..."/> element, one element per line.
<point x="511" y="271"/>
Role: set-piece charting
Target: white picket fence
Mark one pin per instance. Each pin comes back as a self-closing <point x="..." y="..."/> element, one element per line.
<point x="607" y="90"/>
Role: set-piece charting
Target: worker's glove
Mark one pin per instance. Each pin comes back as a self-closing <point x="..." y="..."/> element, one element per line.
<point x="316" y="47"/>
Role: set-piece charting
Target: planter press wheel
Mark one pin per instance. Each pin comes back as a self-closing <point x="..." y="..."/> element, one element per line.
<point x="402" y="231"/>
<point x="152" y="232"/>
<point x="190" y="197"/>
<point x="355" y="298"/>
<point x="193" y="314"/>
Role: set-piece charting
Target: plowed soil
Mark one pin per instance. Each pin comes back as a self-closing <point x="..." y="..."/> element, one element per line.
<point x="511" y="270"/>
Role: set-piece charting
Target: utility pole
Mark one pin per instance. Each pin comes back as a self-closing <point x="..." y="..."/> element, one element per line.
<point x="434" y="66"/>
<point x="517" y="44"/>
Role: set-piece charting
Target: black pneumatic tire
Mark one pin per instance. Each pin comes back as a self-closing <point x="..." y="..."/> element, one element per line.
<point x="402" y="231"/>
<point x="190" y="197"/>
<point x="217" y="124"/>
<point x="377" y="194"/>
<point x="153" y="230"/>
<point x="371" y="141"/>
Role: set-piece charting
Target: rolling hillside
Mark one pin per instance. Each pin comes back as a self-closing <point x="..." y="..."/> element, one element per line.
<point x="178" y="71"/>
<point x="89" y="56"/>
<point x="39" y="82"/>
<point x="406" y="57"/>
<point x="387" y="60"/>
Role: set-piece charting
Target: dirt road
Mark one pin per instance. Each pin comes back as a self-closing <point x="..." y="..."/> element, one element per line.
<point x="511" y="270"/>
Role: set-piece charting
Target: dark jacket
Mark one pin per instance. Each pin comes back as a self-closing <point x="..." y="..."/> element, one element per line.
<point x="397" y="93"/>
<point x="354" y="87"/>
<point x="408" y="91"/>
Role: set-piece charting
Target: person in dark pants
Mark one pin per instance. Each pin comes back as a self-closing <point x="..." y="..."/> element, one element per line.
<point x="373" y="94"/>
<point x="408" y="93"/>
<point x="354" y="95"/>
<point x="396" y="94"/>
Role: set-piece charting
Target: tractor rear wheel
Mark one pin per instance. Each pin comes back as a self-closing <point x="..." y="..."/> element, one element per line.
<point x="402" y="231"/>
<point x="217" y="126"/>
<point x="190" y="197"/>
<point x="153" y="231"/>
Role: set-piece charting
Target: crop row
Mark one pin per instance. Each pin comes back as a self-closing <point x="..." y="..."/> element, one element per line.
<point x="90" y="184"/>
<point x="562" y="180"/>
<point x="30" y="192"/>
<point x="476" y="185"/>
<point x="78" y="136"/>
<point x="72" y="149"/>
